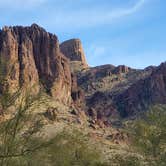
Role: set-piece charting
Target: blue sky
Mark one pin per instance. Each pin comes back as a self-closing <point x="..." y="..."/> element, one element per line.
<point x="130" y="32"/>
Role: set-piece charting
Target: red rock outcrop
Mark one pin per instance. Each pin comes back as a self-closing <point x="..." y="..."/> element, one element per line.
<point x="32" y="57"/>
<point x="73" y="50"/>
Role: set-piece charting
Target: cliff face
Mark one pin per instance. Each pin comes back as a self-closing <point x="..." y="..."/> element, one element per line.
<point x="112" y="91"/>
<point x="78" y="95"/>
<point x="73" y="50"/>
<point x="120" y="91"/>
<point x="30" y="57"/>
<point x="144" y="93"/>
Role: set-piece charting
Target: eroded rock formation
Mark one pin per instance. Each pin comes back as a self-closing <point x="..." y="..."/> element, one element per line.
<point x="144" y="93"/>
<point x="73" y="50"/>
<point x="32" y="57"/>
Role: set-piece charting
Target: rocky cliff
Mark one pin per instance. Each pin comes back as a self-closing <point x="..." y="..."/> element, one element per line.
<point x="112" y="91"/>
<point x="143" y="93"/>
<point x="31" y="58"/>
<point x="73" y="50"/>
<point x="115" y="91"/>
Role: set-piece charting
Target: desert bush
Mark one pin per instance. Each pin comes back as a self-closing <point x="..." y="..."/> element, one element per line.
<point x="68" y="149"/>
<point x="148" y="136"/>
<point x="128" y="160"/>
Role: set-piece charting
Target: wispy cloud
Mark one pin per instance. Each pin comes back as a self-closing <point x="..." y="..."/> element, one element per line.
<point x="124" y="12"/>
<point x="91" y="17"/>
<point x="63" y="13"/>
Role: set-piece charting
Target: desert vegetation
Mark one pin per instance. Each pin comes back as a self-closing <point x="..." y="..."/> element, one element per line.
<point x="21" y="141"/>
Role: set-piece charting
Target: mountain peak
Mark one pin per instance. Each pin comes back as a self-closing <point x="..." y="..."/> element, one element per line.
<point x="34" y="56"/>
<point x="73" y="50"/>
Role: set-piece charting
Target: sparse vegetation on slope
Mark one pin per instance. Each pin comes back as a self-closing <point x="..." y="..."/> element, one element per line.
<point x="148" y="136"/>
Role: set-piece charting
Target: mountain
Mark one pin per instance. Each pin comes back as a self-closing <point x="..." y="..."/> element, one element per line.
<point x="122" y="91"/>
<point x="33" y="59"/>
<point x="144" y="93"/>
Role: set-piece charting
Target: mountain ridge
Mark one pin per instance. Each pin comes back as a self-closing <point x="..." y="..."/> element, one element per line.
<point x="35" y="59"/>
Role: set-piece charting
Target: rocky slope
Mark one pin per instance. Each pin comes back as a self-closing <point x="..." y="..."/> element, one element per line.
<point x="104" y="84"/>
<point x="130" y="92"/>
<point x="112" y="92"/>
<point x="144" y="93"/>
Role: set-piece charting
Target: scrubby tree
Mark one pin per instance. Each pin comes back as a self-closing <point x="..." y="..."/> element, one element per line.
<point x="149" y="136"/>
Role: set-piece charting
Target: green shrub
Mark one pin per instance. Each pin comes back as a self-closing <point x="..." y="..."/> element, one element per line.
<point x="149" y="136"/>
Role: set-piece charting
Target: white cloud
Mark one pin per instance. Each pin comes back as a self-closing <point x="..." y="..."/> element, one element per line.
<point x="90" y="17"/>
